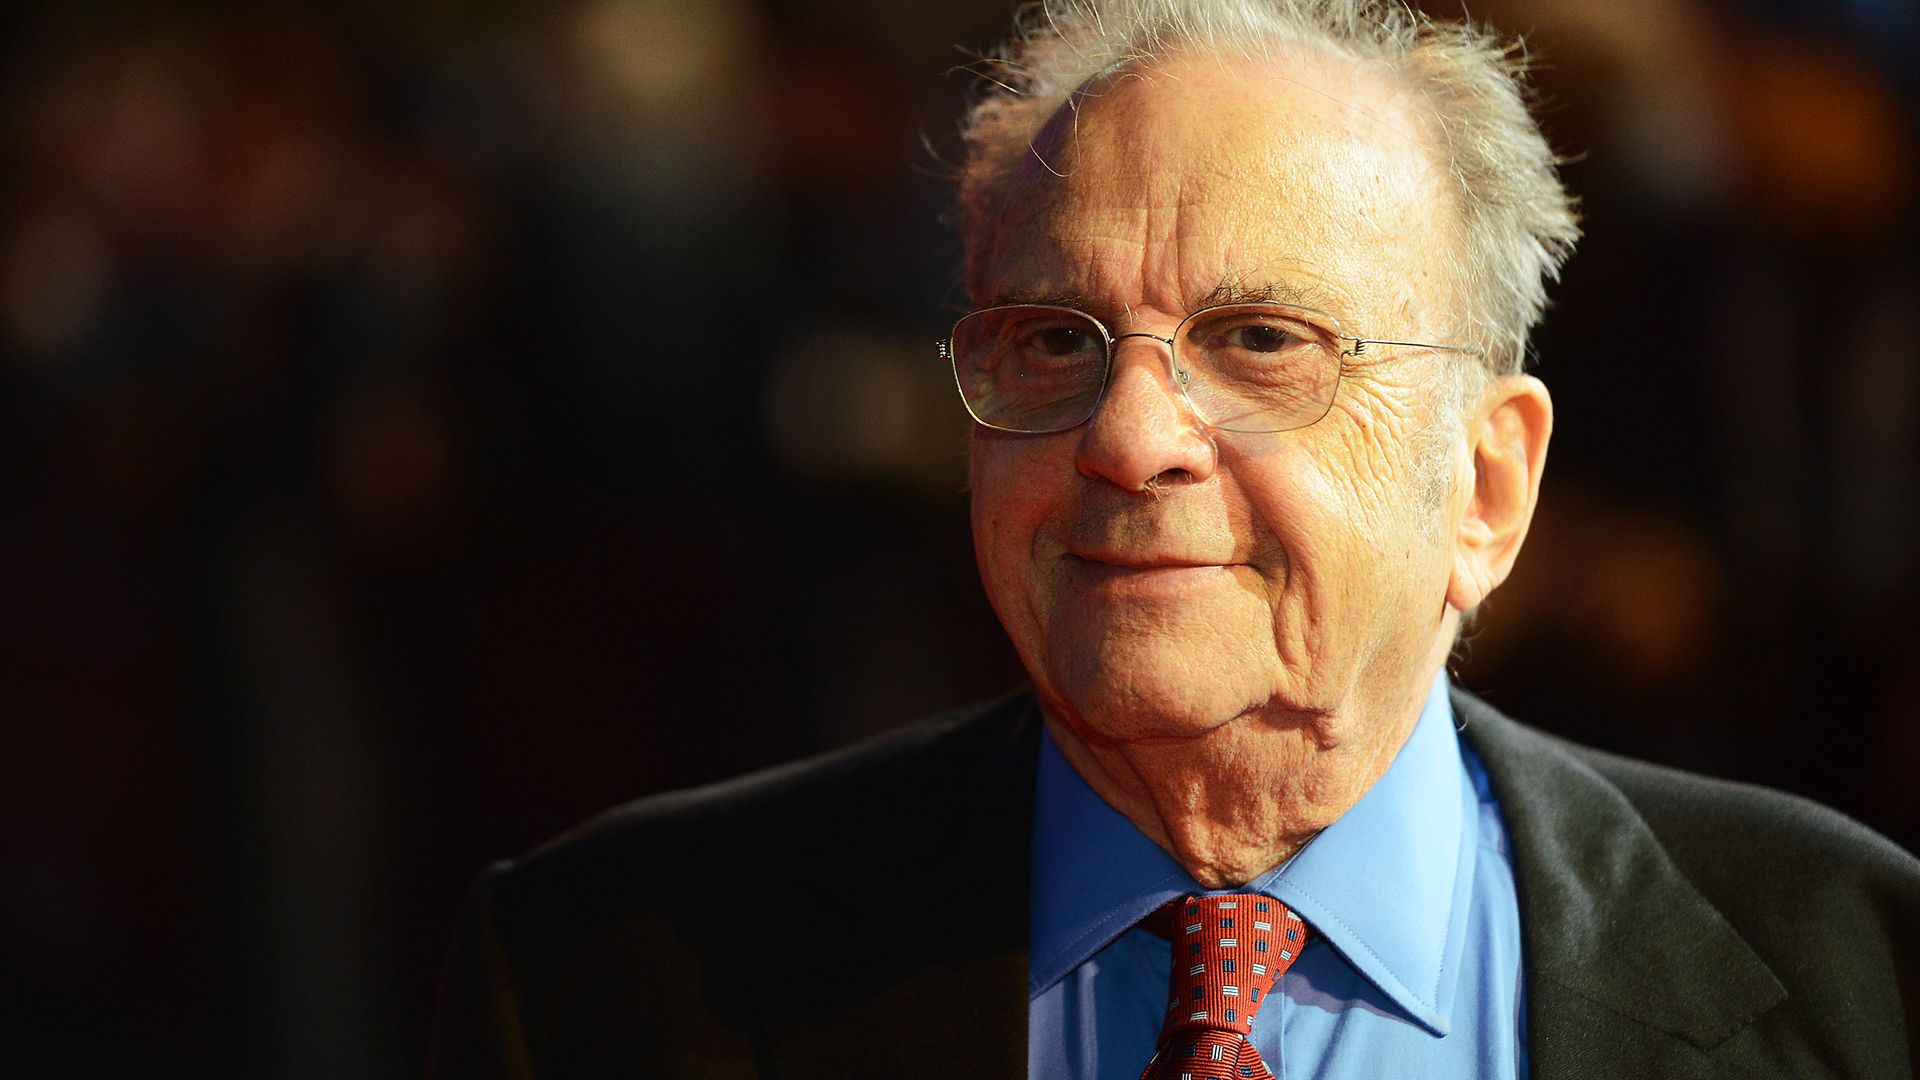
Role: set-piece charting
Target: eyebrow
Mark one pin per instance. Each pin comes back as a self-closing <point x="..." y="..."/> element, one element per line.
<point x="1238" y="291"/>
<point x="1049" y="298"/>
<point x="1232" y="290"/>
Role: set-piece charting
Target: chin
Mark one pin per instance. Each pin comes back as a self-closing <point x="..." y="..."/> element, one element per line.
<point x="1121" y="696"/>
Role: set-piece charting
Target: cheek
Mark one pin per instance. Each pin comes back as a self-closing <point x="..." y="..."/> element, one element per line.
<point x="1016" y="487"/>
<point x="1335" y="503"/>
<point x="1373" y="466"/>
<point x="1302" y="492"/>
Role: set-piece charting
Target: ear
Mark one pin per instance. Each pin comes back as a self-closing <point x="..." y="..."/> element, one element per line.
<point x="1507" y="433"/>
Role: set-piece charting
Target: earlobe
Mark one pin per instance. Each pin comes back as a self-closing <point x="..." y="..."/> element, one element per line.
<point x="1507" y="436"/>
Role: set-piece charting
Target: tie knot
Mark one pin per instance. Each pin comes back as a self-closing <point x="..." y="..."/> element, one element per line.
<point x="1227" y="953"/>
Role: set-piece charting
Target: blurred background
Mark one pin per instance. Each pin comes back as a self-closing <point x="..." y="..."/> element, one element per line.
<point x="424" y="426"/>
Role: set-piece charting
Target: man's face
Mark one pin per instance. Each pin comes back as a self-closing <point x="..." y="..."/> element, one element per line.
<point x="1159" y="578"/>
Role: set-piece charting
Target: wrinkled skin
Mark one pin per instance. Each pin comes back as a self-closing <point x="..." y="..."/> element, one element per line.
<point x="1231" y="635"/>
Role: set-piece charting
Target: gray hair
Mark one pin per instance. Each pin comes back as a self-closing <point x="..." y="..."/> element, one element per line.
<point x="1518" y="221"/>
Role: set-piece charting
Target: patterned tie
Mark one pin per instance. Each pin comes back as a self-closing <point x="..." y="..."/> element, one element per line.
<point x="1228" y="951"/>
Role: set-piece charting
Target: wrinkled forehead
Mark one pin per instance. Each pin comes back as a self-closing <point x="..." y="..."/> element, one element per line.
<point x="1152" y="185"/>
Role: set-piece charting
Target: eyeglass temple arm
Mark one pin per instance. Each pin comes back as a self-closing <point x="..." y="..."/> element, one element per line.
<point x="1360" y="346"/>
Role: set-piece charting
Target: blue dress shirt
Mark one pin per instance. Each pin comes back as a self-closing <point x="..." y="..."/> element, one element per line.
<point x="1412" y="967"/>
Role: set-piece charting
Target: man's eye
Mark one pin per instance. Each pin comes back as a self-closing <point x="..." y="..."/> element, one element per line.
<point x="1257" y="337"/>
<point x="1061" y="341"/>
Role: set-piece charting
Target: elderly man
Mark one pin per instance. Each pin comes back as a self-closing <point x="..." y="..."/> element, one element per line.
<point x="1254" y="280"/>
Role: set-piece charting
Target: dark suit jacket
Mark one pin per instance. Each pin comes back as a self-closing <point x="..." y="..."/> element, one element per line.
<point x="864" y="914"/>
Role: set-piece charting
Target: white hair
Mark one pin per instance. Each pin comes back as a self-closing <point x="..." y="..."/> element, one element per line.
<point x="1518" y="224"/>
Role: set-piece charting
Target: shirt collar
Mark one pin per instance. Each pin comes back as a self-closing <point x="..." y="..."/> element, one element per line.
<point x="1385" y="885"/>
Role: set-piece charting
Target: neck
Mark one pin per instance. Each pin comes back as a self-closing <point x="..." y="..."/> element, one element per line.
<point x="1236" y="801"/>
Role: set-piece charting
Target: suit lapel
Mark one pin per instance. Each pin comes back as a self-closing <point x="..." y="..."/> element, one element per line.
<point x="1630" y="971"/>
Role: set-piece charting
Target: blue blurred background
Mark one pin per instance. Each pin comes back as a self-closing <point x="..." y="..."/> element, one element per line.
<point x="421" y="427"/>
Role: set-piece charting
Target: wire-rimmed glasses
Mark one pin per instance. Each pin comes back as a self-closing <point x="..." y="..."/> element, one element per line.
<point x="1248" y="367"/>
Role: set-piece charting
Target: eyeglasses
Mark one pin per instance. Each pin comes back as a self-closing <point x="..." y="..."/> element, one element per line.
<point x="1252" y="367"/>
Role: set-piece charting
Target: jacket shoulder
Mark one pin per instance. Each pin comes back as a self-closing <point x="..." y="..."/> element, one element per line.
<point x="1722" y="829"/>
<point x="1733" y="840"/>
<point x="896" y="801"/>
<point x="1752" y="923"/>
<point x="638" y="912"/>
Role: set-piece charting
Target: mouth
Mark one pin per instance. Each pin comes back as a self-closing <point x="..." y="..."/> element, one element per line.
<point x="1132" y="561"/>
<point x="1148" y="578"/>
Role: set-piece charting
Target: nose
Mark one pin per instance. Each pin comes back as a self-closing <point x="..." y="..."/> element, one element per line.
<point x="1144" y="429"/>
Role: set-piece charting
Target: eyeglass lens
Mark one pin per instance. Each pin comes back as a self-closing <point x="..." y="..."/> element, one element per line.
<point x="1247" y="367"/>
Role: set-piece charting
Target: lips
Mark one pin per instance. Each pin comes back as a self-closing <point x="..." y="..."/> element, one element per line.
<point x="1146" y="579"/>
<point x="1138" y="541"/>
<point x="1133" y="571"/>
<point x="1121" y="560"/>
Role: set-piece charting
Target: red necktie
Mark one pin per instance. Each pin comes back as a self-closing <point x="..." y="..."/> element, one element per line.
<point x="1228" y="951"/>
